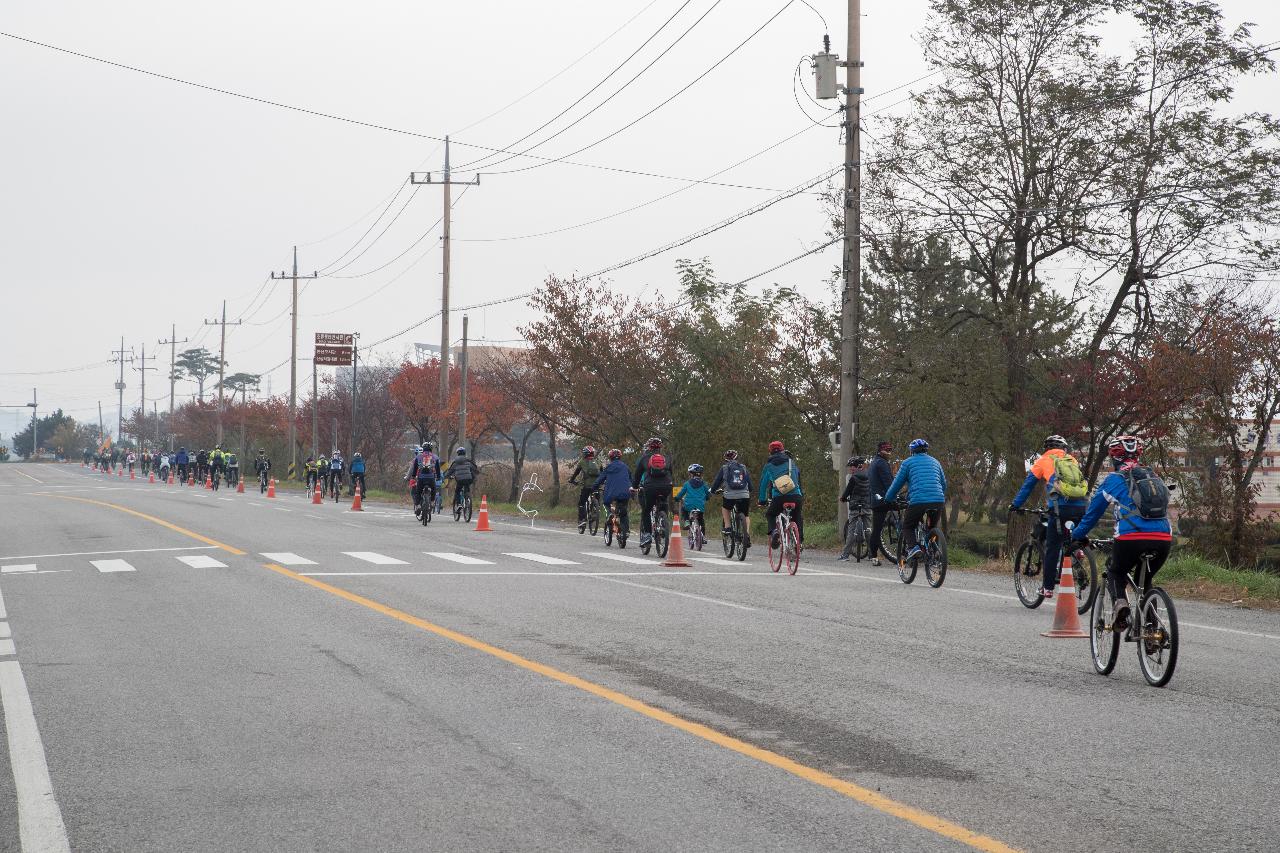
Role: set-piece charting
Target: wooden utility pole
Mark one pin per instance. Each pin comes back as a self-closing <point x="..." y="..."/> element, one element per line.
<point x="222" y="361"/>
<point x="447" y="181"/>
<point x="173" y="377"/>
<point x="851" y="294"/>
<point x="462" y="392"/>
<point x="121" y="360"/>
<point x="142" y="371"/>
<point x="293" y="363"/>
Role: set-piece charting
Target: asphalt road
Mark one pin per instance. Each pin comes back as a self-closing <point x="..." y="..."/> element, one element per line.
<point x="212" y="671"/>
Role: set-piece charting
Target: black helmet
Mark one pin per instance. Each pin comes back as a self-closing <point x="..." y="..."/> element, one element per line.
<point x="857" y="462"/>
<point x="730" y="455"/>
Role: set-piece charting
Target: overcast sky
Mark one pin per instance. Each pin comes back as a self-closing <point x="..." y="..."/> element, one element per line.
<point x="129" y="203"/>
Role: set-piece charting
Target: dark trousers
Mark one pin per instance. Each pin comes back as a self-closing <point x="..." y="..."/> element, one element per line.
<point x="775" y="508"/>
<point x="1054" y="538"/>
<point x="911" y="517"/>
<point x="419" y="486"/>
<point x="358" y="478"/>
<point x="651" y="496"/>
<point x="583" y="494"/>
<point x="877" y="530"/>
<point x="1124" y="559"/>
<point x="622" y="508"/>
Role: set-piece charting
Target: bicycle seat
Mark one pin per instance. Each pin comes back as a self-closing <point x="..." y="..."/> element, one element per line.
<point x="789" y="505"/>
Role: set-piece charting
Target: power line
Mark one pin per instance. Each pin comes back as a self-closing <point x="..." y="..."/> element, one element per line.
<point x="372" y="225"/>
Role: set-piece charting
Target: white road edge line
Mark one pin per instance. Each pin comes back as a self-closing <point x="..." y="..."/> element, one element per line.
<point x="40" y="826"/>
<point x="704" y="598"/>
<point x="673" y="573"/>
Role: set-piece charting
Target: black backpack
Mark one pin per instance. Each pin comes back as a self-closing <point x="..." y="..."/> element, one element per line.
<point x="1148" y="492"/>
<point x="736" y="476"/>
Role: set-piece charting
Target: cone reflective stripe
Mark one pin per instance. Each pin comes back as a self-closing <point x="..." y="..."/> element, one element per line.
<point x="675" y="546"/>
<point x="271" y="488"/>
<point x="482" y="523"/>
<point x="1066" y="621"/>
<point x="317" y="497"/>
<point x="356" y="505"/>
<point x="240" y="486"/>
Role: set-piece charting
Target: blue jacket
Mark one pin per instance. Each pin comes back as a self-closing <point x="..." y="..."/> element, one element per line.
<point x="357" y="466"/>
<point x="694" y="494"/>
<point x="778" y="464"/>
<point x="616" y="479"/>
<point x="881" y="476"/>
<point x="1114" y="492"/>
<point x="182" y="458"/>
<point x="922" y="474"/>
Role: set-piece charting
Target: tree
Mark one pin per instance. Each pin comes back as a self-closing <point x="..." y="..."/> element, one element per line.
<point x="47" y="427"/>
<point x="198" y="364"/>
<point x="242" y="383"/>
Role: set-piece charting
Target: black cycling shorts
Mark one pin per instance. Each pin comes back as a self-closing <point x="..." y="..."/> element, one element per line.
<point x="743" y="505"/>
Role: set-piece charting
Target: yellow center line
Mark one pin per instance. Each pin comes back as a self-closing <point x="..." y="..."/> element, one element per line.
<point x="858" y="793"/>
<point x="160" y="521"/>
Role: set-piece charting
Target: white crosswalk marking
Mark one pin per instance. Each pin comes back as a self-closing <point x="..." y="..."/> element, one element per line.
<point x="202" y="561"/>
<point x="112" y="566"/>
<point x="375" y="558"/>
<point x="717" y="561"/>
<point x="4" y="631"/>
<point x="25" y="567"/>
<point x="6" y="648"/>
<point x="544" y="559"/>
<point x="288" y="558"/>
<point x="459" y="558"/>
<point x="621" y="558"/>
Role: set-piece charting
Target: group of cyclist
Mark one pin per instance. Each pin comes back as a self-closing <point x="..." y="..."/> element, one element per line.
<point x="1133" y="492"/>
<point x="329" y="473"/>
<point x="427" y="477"/>
<point x="652" y="483"/>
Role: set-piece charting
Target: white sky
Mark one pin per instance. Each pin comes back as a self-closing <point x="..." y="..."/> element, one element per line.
<point x="128" y="203"/>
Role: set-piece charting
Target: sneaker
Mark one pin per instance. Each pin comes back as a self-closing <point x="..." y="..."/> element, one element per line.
<point x="774" y="541"/>
<point x="645" y="539"/>
<point x="1046" y="594"/>
<point x="582" y="527"/>
<point x="912" y="554"/>
<point x="875" y="561"/>
<point x="843" y="558"/>
<point x="1120" y="615"/>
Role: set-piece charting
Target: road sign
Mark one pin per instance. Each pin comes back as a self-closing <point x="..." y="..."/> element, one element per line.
<point x="330" y="356"/>
<point x="337" y="339"/>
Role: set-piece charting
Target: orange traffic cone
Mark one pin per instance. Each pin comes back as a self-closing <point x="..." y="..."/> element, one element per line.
<point x="208" y="482"/>
<point x="191" y="478"/>
<point x="356" y="505"/>
<point x="675" y="546"/>
<point x="131" y="477"/>
<point x="120" y="472"/>
<point x="240" y="485"/>
<point x="1066" y="622"/>
<point x="271" y="488"/>
<point x="482" y="523"/>
<point x="317" y="497"/>
<point x="151" y="476"/>
<point x="170" y="476"/>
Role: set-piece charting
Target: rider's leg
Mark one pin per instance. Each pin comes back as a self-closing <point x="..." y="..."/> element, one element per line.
<point x="1053" y="540"/>
<point x="910" y="518"/>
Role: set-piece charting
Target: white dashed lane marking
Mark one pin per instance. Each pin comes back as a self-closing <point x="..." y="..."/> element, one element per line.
<point x="25" y="567"/>
<point x="544" y="559"/>
<point x="202" y="561"/>
<point x="112" y="566"/>
<point x="375" y="558"/>
<point x="459" y="558"/>
<point x="288" y="558"/>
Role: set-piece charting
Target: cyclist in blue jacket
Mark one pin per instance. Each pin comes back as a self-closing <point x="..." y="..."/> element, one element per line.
<point x="781" y="465"/>
<point x="693" y="496"/>
<point x="926" y="491"/>
<point x="616" y="479"/>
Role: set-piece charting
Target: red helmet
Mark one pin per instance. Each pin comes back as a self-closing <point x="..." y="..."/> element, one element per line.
<point x="1125" y="447"/>
<point x="589" y="452"/>
<point x="775" y="447"/>
<point x="615" y="453"/>
<point x="657" y="460"/>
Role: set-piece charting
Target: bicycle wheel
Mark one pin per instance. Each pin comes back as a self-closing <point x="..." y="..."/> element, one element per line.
<point x="891" y="537"/>
<point x="1085" y="573"/>
<point x="468" y="507"/>
<point x="906" y="568"/>
<point x="428" y="506"/>
<point x="644" y="547"/>
<point x="728" y="537"/>
<point x="740" y="536"/>
<point x="661" y="534"/>
<point x="1158" y="648"/>
<point x="861" y="544"/>
<point x="1026" y="575"/>
<point x="775" y="553"/>
<point x="935" y="558"/>
<point x="1104" y="643"/>
<point x="593" y="515"/>
<point x="457" y="509"/>
<point x="791" y="547"/>
<point x="608" y="530"/>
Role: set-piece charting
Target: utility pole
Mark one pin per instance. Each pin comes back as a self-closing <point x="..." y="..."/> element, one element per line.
<point x="462" y="392"/>
<point x="355" y="365"/>
<point x="851" y="295"/>
<point x="121" y="360"/>
<point x="143" y="372"/>
<point x="35" y="427"/>
<point x="315" y="411"/>
<point x="102" y="432"/>
<point x="447" y="180"/>
<point x="293" y="363"/>
<point x="222" y="361"/>
<point x="173" y="377"/>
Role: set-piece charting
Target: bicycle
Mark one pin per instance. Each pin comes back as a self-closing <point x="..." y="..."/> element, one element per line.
<point x="428" y="498"/>
<point x="1155" y="631"/>
<point x="697" y="538"/>
<point x="593" y="513"/>
<point x="733" y="537"/>
<point x="857" y="525"/>
<point x="659" y="532"/>
<point x="613" y="527"/>
<point x="933" y="547"/>
<point x="333" y="486"/>
<point x="462" y="502"/>
<point x="216" y="478"/>
<point x="262" y="481"/>
<point x="1028" y="566"/>
<point x="784" y="543"/>
<point x="891" y="535"/>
